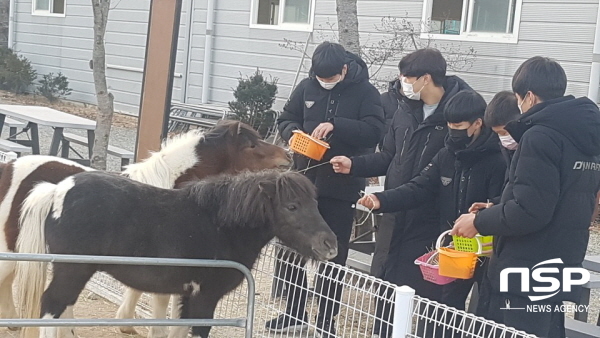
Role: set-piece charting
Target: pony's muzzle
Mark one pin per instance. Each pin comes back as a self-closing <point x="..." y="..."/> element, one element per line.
<point x="326" y="247"/>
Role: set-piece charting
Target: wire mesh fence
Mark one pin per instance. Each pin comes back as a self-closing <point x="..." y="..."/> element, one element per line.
<point x="361" y="306"/>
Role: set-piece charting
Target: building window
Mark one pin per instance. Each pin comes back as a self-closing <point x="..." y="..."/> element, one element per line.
<point x="485" y="20"/>
<point x="49" y="7"/>
<point x="283" y="14"/>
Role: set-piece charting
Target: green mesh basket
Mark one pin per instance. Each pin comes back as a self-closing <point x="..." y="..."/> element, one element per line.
<point x="470" y="244"/>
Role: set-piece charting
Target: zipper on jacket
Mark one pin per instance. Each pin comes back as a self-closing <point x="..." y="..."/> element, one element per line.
<point x="403" y="143"/>
<point x="424" y="148"/>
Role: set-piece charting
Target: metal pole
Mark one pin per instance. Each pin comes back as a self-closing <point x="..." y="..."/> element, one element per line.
<point x="403" y="309"/>
<point x="121" y="260"/>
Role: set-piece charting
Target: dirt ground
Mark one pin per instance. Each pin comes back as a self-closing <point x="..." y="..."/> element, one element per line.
<point x="90" y="306"/>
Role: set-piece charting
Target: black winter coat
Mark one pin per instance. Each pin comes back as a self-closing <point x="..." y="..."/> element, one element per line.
<point x="391" y="101"/>
<point x="354" y="108"/>
<point x="508" y="155"/>
<point x="547" y="205"/>
<point x="409" y="145"/>
<point x="455" y="180"/>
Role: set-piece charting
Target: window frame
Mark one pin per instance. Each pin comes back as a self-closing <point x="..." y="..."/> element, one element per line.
<point x="38" y="12"/>
<point x="298" y="27"/>
<point x="466" y="34"/>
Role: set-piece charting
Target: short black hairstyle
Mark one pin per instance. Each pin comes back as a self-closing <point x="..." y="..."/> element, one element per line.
<point x="502" y="109"/>
<point x="425" y="61"/>
<point x="466" y="105"/>
<point x="328" y="59"/>
<point x="542" y="76"/>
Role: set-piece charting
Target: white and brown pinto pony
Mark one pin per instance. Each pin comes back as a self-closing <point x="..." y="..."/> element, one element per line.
<point x="230" y="147"/>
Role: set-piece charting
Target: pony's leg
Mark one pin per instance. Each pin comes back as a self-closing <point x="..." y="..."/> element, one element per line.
<point x="160" y="303"/>
<point x="179" y="306"/>
<point x="66" y="332"/>
<point x="127" y="309"/>
<point x="202" y="306"/>
<point x="60" y="296"/>
<point x="7" y="304"/>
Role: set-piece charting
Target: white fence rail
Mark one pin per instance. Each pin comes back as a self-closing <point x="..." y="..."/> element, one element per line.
<point x="362" y="295"/>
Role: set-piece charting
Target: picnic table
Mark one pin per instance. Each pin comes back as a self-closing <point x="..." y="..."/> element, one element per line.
<point x="58" y="120"/>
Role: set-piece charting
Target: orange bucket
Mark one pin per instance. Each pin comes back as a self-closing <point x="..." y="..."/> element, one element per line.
<point x="457" y="264"/>
<point x="454" y="263"/>
<point x="304" y="144"/>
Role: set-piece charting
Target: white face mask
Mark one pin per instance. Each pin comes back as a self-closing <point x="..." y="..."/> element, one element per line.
<point x="330" y="85"/>
<point x="508" y="142"/>
<point x="408" y="90"/>
<point x="521" y="105"/>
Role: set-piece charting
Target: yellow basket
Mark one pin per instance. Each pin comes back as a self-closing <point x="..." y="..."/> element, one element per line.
<point x="304" y="144"/>
<point x="472" y="244"/>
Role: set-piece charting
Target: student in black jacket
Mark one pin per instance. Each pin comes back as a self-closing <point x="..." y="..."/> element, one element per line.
<point x="546" y="207"/>
<point x="337" y="103"/>
<point x="416" y="134"/>
<point x="468" y="169"/>
<point x="502" y="109"/>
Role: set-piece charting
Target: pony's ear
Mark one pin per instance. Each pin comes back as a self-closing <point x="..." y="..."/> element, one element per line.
<point x="235" y="128"/>
<point x="268" y="188"/>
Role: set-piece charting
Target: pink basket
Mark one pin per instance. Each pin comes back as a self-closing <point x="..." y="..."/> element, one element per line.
<point x="430" y="271"/>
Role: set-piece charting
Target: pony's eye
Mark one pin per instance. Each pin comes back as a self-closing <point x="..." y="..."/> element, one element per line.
<point x="291" y="207"/>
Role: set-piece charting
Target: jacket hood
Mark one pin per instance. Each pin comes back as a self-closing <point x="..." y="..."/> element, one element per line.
<point x="487" y="142"/>
<point x="578" y="119"/>
<point x="357" y="71"/>
<point x="395" y="87"/>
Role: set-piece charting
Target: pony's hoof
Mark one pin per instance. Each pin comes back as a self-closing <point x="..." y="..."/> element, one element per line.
<point x="128" y="330"/>
<point x="158" y="332"/>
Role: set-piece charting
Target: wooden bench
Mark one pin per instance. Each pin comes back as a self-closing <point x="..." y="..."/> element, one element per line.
<point x="7" y="145"/>
<point x="125" y="155"/>
<point x="13" y="125"/>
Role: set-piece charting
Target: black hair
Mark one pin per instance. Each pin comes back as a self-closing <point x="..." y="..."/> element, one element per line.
<point x="542" y="76"/>
<point x="425" y="61"/>
<point x="502" y="109"/>
<point x="328" y="59"/>
<point x="466" y="105"/>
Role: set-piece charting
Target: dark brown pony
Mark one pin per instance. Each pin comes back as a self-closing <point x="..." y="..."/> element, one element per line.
<point x="227" y="218"/>
<point x="230" y="147"/>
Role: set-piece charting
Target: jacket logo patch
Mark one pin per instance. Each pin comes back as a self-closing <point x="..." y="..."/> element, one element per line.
<point x="446" y="181"/>
<point x="309" y="103"/>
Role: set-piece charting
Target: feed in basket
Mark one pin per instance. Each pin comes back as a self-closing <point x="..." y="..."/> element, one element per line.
<point x="304" y="144"/>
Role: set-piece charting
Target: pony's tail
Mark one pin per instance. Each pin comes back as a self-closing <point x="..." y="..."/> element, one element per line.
<point x="32" y="275"/>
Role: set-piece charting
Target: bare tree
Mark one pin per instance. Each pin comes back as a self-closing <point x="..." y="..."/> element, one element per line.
<point x="348" y="25"/>
<point x="103" y="96"/>
<point x="400" y="37"/>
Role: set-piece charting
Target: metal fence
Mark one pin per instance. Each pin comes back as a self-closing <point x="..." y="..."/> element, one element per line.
<point x="245" y="322"/>
<point x="362" y="295"/>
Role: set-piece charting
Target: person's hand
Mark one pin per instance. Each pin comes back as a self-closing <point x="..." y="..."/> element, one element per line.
<point x="322" y="130"/>
<point x="341" y="164"/>
<point x="465" y="226"/>
<point x="479" y="206"/>
<point x="370" y="201"/>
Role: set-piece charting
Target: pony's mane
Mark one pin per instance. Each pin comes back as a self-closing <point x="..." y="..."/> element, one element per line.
<point x="163" y="168"/>
<point x="240" y="199"/>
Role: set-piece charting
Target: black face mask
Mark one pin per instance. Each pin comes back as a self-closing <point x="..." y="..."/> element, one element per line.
<point x="458" y="139"/>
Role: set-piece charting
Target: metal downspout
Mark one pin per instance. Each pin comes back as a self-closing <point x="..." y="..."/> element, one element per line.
<point x="210" y="14"/>
<point x="594" y="85"/>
